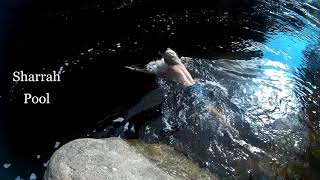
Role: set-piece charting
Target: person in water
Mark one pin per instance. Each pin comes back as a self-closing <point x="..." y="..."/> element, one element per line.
<point x="175" y="70"/>
<point x="171" y="67"/>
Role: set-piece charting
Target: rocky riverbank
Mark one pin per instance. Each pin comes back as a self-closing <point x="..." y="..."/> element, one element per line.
<point x="115" y="158"/>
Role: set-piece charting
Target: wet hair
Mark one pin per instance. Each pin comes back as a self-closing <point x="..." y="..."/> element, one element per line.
<point x="170" y="57"/>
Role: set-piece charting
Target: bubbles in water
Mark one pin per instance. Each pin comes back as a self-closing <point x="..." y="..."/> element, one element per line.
<point x="45" y="164"/>
<point x="6" y="165"/>
<point x="126" y="126"/>
<point x="124" y="4"/>
<point x="33" y="176"/>
<point x="56" y="145"/>
<point x="120" y="119"/>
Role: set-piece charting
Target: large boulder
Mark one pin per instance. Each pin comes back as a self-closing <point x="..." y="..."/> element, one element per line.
<point x="95" y="159"/>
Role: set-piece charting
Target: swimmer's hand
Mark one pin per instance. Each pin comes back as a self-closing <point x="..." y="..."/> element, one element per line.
<point x="134" y="68"/>
<point x="137" y="69"/>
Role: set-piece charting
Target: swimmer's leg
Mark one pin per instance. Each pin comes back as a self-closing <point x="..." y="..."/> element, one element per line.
<point x="222" y="118"/>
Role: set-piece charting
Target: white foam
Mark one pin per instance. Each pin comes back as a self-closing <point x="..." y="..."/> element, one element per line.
<point x="167" y="125"/>
<point x="46" y="164"/>
<point x="276" y="64"/>
<point x="33" y="176"/>
<point x="56" y="144"/>
<point x="156" y="66"/>
<point x="218" y="147"/>
<point x="120" y="119"/>
<point x="147" y="129"/>
<point x="61" y="70"/>
<point x="126" y="126"/>
<point x="154" y="135"/>
<point x="251" y="148"/>
<point x="132" y="129"/>
<point x="6" y="165"/>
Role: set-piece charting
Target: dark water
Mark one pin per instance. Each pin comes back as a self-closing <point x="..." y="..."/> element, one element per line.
<point x="261" y="57"/>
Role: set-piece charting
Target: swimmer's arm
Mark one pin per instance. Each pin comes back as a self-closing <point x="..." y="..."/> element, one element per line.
<point x="188" y="75"/>
<point x="182" y="78"/>
<point x="139" y="70"/>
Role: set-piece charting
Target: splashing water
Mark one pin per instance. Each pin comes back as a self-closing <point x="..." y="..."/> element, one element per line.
<point x="265" y="99"/>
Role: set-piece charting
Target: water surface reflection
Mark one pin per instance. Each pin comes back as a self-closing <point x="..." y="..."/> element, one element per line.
<point x="267" y="99"/>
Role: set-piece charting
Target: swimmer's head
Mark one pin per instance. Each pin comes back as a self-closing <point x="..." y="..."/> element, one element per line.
<point x="171" y="58"/>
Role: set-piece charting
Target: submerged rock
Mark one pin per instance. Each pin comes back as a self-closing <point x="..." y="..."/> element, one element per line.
<point x="111" y="158"/>
<point x="171" y="161"/>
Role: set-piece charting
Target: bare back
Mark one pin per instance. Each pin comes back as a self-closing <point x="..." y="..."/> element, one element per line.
<point x="178" y="73"/>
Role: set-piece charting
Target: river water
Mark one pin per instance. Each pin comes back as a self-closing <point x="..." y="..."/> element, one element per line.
<point x="258" y="63"/>
<point x="271" y="99"/>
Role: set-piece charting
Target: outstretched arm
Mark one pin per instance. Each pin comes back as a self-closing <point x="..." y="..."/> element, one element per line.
<point x="139" y="70"/>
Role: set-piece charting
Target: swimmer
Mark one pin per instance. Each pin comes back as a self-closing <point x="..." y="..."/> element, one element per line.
<point x="175" y="70"/>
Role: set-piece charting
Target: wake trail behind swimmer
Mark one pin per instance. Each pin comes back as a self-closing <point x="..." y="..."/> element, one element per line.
<point x="150" y="100"/>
